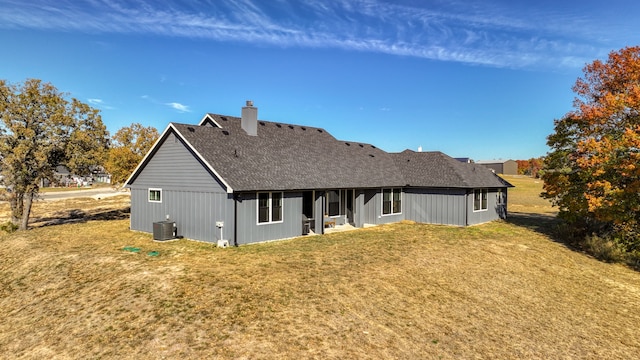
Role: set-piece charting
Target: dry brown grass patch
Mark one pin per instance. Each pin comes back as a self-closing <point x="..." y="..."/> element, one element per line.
<point x="405" y="290"/>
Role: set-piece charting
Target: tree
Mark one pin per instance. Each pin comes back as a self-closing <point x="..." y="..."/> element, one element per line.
<point x="129" y="145"/>
<point x="530" y="167"/>
<point x="39" y="130"/>
<point x="592" y="173"/>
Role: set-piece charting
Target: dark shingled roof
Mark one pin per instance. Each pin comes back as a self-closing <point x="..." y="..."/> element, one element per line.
<point x="288" y="157"/>
<point x="435" y="169"/>
<point x="294" y="157"/>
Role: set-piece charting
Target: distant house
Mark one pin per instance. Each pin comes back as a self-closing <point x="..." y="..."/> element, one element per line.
<point x="100" y="175"/>
<point x="505" y="167"/>
<point x="64" y="178"/>
<point x="247" y="180"/>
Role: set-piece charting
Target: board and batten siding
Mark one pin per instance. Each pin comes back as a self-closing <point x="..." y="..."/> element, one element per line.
<point x="249" y="231"/>
<point x="191" y="195"/>
<point x="173" y="166"/>
<point x="494" y="209"/>
<point x="372" y="208"/>
<point x="436" y="206"/>
<point x="195" y="213"/>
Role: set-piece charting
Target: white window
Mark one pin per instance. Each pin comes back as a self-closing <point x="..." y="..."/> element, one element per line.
<point x="391" y="201"/>
<point x="500" y="198"/>
<point x="269" y="207"/>
<point x="155" y="195"/>
<point x="480" y="199"/>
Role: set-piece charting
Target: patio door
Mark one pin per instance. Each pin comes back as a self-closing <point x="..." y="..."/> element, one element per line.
<point x="308" y="213"/>
<point x="349" y="206"/>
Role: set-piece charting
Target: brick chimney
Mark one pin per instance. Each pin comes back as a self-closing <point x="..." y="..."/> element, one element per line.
<point x="249" y="121"/>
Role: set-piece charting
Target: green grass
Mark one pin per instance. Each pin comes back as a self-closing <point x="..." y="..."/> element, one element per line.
<point x="525" y="196"/>
<point x="410" y="291"/>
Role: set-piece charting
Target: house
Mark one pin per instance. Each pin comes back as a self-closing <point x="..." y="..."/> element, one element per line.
<point x="464" y="159"/>
<point x="505" y="167"/>
<point x="246" y="180"/>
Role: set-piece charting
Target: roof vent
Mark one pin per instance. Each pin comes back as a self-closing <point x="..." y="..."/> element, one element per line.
<point x="319" y="130"/>
<point x="291" y="127"/>
<point x="225" y="132"/>
<point x="191" y="129"/>
<point x="361" y="145"/>
<point x="262" y="123"/>
<point x="347" y="144"/>
<point x="371" y="155"/>
<point x="278" y="125"/>
<point x="303" y="128"/>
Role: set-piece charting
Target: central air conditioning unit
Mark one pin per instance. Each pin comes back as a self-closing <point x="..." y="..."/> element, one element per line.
<point x="165" y="230"/>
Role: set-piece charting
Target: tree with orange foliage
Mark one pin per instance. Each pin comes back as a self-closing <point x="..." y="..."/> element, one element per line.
<point x="592" y="173"/>
<point x="129" y="145"/>
<point x="530" y="167"/>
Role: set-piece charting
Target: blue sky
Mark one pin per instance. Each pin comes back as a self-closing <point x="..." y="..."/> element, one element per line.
<point x="479" y="79"/>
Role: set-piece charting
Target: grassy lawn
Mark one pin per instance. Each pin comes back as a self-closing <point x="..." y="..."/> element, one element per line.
<point x="94" y="289"/>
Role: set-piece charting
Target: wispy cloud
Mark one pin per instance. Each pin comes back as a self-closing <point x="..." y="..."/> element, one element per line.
<point x="174" y="105"/>
<point x="99" y="103"/>
<point x="178" y="106"/>
<point x="475" y="32"/>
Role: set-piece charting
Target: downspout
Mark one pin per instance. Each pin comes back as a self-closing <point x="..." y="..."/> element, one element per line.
<point x="323" y="202"/>
<point x="466" y="208"/>
<point x="235" y="219"/>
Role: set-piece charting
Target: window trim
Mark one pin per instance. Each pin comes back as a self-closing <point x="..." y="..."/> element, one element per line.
<point x="484" y="200"/>
<point x="269" y="207"/>
<point x="149" y="195"/>
<point x="392" y="192"/>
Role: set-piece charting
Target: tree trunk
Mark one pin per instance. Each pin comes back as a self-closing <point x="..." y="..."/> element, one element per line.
<point x="28" y="201"/>
<point x="17" y="205"/>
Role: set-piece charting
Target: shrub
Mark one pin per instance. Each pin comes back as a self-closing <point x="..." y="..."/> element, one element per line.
<point x="633" y="259"/>
<point x="604" y="248"/>
<point x="8" y="227"/>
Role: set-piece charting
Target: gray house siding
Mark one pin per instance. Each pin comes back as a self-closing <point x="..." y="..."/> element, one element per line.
<point x="371" y="209"/>
<point x="319" y="212"/>
<point x="195" y="213"/>
<point x="358" y="204"/>
<point x="250" y="231"/>
<point x="174" y="166"/>
<point x="494" y="209"/>
<point x="436" y="206"/>
<point x="191" y="196"/>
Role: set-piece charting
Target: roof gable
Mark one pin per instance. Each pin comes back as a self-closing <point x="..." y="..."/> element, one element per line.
<point x="208" y="120"/>
<point x="171" y="129"/>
